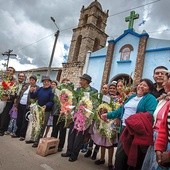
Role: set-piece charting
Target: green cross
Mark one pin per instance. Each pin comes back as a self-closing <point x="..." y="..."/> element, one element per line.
<point x="131" y="19"/>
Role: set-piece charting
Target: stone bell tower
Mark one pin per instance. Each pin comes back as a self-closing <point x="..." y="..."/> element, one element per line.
<point x="88" y="36"/>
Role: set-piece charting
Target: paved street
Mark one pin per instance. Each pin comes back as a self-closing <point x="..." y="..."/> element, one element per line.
<point x="16" y="155"/>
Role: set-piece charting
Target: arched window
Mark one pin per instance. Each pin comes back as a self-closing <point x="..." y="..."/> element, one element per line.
<point x="96" y="44"/>
<point x="77" y="48"/>
<point x="125" y="52"/>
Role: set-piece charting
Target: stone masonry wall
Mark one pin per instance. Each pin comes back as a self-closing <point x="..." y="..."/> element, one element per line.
<point x="140" y="60"/>
<point x="108" y="63"/>
<point x="72" y="71"/>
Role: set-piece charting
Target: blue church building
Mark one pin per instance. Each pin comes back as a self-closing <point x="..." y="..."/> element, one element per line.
<point x="132" y="55"/>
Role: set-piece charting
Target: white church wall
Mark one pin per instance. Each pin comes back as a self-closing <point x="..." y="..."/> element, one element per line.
<point x="154" y="59"/>
<point x="95" y="70"/>
<point x="124" y="67"/>
<point x="157" y="43"/>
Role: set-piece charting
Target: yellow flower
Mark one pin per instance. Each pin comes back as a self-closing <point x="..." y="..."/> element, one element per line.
<point x="104" y="106"/>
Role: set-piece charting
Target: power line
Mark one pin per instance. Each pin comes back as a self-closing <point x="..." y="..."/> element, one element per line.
<point x="75" y="26"/>
<point x="43" y="38"/>
<point x="35" y="42"/>
<point x="133" y="8"/>
<point x="8" y="54"/>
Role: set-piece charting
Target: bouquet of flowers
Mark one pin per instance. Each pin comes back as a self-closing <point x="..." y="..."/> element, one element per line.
<point x="66" y="103"/>
<point x="38" y="115"/>
<point x="106" y="129"/>
<point x="7" y="87"/>
<point x="83" y="116"/>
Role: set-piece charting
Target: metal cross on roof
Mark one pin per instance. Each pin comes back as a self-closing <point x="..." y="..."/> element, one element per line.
<point x="131" y="19"/>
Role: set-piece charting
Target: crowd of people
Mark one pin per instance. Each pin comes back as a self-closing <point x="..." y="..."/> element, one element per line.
<point x="135" y="119"/>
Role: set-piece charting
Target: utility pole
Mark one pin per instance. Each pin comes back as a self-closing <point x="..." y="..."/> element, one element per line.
<point x="54" y="46"/>
<point x="8" y="54"/>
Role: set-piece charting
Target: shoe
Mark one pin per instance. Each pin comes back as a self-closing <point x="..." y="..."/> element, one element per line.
<point x="94" y="156"/>
<point x="88" y="154"/>
<point x="59" y="149"/>
<point x="35" y="145"/>
<point x="29" y="141"/>
<point x="84" y="150"/>
<point x="110" y="167"/>
<point x="72" y="159"/>
<point x="65" y="154"/>
<point x="98" y="162"/>
<point x="6" y="133"/>
<point x="1" y="133"/>
<point x="14" y="136"/>
<point x="21" y="138"/>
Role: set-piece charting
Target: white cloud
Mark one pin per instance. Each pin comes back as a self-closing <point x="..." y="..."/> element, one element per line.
<point x="26" y="27"/>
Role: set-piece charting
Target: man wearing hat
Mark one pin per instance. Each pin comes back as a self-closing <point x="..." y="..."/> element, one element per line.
<point x="44" y="97"/>
<point x="23" y="102"/>
<point x="84" y="82"/>
<point x="75" y="141"/>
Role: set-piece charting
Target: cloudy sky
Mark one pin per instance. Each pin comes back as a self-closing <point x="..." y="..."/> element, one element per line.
<point x="26" y="28"/>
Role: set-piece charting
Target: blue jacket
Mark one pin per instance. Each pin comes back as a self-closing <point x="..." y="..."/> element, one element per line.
<point x="147" y="104"/>
<point x="44" y="96"/>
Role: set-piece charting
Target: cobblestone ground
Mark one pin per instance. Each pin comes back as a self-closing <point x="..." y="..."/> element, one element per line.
<point x="16" y="155"/>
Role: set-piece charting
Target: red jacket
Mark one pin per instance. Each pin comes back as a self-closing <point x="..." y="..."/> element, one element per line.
<point x="138" y="132"/>
<point x="162" y="138"/>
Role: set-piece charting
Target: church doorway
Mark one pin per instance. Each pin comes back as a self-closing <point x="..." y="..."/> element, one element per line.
<point x="125" y="77"/>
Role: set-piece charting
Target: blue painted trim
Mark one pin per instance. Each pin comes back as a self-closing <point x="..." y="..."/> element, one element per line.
<point x="124" y="61"/>
<point x="98" y="56"/>
<point x="129" y="31"/>
<point x="158" y="49"/>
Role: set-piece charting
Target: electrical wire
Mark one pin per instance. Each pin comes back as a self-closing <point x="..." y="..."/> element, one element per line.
<point x="133" y="8"/>
<point x="75" y="26"/>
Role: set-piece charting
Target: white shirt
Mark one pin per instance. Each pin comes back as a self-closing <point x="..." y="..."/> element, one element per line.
<point x="130" y="108"/>
<point x="24" y="98"/>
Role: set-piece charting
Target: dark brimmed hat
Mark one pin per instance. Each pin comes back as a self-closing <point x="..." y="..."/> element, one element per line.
<point x="33" y="77"/>
<point x="86" y="77"/>
<point x="46" y="78"/>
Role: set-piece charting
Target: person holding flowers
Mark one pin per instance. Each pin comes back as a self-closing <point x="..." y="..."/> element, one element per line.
<point x="104" y="134"/>
<point x="62" y="111"/>
<point x="82" y="118"/>
<point x="8" y="90"/>
<point x="136" y="108"/>
<point x="23" y="104"/>
<point x="50" y="120"/>
<point x="44" y="97"/>
<point x="108" y="93"/>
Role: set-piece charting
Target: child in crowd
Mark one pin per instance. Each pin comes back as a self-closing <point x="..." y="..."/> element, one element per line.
<point x="12" y="124"/>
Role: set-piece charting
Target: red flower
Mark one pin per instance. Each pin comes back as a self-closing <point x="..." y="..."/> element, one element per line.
<point x="11" y="83"/>
<point x="5" y="85"/>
